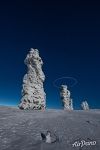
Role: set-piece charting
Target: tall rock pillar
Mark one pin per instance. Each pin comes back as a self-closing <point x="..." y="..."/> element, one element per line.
<point x="65" y="97"/>
<point x="85" y="105"/>
<point x="33" y="95"/>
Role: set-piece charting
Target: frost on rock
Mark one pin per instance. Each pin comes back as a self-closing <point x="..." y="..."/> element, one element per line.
<point x="65" y="97"/>
<point x="33" y="95"/>
<point x="85" y="105"/>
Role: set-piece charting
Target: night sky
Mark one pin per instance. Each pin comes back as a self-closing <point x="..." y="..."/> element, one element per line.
<point x="67" y="34"/>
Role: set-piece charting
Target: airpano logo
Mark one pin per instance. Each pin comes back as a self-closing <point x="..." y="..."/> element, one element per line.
<point x="83" y="143"/>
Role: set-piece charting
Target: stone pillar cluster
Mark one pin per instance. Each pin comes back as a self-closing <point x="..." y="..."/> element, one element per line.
<point x="33" y="94"/>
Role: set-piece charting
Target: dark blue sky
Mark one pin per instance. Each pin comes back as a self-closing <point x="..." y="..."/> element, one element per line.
<point x="67" y="33"/>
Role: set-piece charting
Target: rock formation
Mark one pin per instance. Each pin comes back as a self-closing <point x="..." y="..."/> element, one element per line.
<point x="65" y="97"/>
<point x="85" y="105"/>
<point x="33" y="95"/>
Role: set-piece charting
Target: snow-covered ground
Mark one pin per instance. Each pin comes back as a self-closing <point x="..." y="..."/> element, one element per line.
<point x="21" y="130"/>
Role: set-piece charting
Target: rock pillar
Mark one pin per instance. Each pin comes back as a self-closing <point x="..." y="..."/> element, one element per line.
<point x="33" y="95"/>
<point x="65" y="97"/>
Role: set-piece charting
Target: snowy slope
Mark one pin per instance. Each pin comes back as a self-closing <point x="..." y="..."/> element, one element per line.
<point x="20" y="129"/>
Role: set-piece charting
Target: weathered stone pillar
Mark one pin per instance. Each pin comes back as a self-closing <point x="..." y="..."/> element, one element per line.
<point x="85" y="105"/>
<point x="33" y="95"/>
<point x="65" y="97"/>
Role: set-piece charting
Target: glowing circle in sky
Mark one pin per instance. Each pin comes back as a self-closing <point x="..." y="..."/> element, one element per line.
<point x="69" y="81"/>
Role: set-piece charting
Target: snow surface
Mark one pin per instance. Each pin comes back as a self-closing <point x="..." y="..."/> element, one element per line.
<point x="21" y="129"/>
